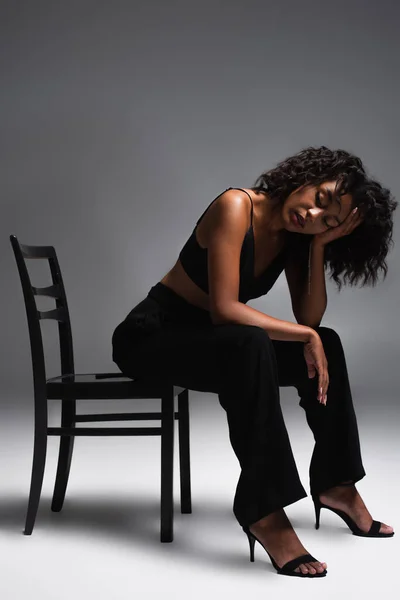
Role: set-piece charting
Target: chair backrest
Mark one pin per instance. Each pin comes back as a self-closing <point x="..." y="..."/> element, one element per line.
<point x="34" y="316"/>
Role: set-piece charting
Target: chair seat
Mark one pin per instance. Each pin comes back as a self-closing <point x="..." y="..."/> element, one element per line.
<point x="106" y="386"/>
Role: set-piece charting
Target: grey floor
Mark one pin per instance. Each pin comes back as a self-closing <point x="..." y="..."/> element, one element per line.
<point x="105" y="543"/>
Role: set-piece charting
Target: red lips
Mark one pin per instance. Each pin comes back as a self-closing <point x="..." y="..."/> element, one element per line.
<point x="299" y="219"/>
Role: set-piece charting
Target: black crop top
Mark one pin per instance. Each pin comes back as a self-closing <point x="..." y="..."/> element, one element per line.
<point x="194" y="261"/>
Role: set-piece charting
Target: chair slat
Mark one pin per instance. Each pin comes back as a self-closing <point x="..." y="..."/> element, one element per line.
<point x="59" y="314"/>
<point x="37" y="251"/>
<point x="54" y="291"/>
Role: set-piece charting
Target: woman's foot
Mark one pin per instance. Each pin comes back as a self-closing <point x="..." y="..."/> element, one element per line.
<point x="348" y="499"/>
<point x="277" y="535"/>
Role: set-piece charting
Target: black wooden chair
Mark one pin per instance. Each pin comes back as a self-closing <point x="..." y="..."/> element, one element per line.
<point x="70" y="387"/>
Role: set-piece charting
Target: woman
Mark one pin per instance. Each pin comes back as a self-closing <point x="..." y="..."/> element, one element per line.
<point x="195" y="330"/>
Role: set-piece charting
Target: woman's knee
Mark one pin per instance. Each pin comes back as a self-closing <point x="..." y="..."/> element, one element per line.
<point x="255" y="337"/>
<point x="331" y="342"/>
<point x="328" y="336"/>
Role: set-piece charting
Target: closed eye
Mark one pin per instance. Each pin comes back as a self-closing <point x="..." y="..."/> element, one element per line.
<point x="318" y="202"/>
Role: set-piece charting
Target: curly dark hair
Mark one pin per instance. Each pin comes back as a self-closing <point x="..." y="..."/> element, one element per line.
<point x="363" y="251"/>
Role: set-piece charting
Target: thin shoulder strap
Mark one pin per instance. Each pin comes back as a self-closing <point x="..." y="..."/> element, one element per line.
<point x="251" y="200"/>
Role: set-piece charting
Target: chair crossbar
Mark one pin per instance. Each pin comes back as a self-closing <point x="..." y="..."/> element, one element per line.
<point x="99" y="431"/>
<point x="143" y="416"/>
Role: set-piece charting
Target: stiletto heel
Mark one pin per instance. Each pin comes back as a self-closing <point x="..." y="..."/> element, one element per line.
<point x="252" y="541"/>
<point x="288" y="568"/>
<point x="317" y="513"/>
<point x="373" y="531"/>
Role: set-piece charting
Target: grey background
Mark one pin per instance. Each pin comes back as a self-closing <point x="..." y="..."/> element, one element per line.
<point x="120" y="122"/>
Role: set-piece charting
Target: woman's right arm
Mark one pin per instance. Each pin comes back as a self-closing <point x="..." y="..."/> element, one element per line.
<point x="225" y="239"/>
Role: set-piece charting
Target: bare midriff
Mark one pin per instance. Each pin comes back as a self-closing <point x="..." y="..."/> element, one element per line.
<point x="181" y="284"/>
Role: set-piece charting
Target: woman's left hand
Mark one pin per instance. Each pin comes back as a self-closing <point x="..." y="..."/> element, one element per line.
<point x="351" y="222"/>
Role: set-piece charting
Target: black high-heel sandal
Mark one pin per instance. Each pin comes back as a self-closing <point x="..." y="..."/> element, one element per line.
<point x="373" y="531"/>
<point x="288" y="568"/>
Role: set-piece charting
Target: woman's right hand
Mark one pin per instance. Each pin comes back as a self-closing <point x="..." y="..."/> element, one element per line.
<point x="314" y="354"/>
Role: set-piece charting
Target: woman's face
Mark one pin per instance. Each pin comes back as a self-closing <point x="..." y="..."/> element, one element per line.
<point x="319" y="207"/>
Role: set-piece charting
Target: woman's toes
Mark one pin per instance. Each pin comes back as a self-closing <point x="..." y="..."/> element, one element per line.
<point x="303" y="569"/>
<point x="385" y="528"/>
<point x="317" y="566"/>
<point x="310" y="568"/>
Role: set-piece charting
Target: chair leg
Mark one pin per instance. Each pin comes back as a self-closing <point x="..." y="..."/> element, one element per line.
<point x="38" y="463"/>
<point x="167" y="466"/>
<point x="68" y="413"/>
<point x="184" y="451"/>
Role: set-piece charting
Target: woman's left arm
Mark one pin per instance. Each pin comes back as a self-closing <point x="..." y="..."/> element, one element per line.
<point x="314" y="300"/>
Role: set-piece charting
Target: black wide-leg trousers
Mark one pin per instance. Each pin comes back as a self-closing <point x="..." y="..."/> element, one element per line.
<point x="166" y="338"/>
